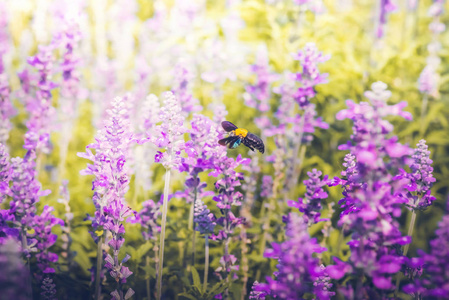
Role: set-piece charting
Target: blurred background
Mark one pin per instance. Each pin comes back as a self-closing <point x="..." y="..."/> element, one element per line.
<point x="133" y="48"/>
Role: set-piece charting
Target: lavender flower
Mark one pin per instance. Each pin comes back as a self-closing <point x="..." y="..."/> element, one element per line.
<point x="147" y="118"/>
<point x="299" y="272"/>
<point x="6" y="108"/>
<point x="111" y="179"/>
<point x="48" y="289"/>
<point x="169" y="136"/>
<point x="436" y="263"/>
<point x="5" y="172"/>
<point x="255" y="294"/>
<point x="40" y="108"/>
<point x="42" y="225"/>
<point x="386" y="6"/>
<point x="258" y="95"/>
<point x="311" y="206"/>
<point x="371" y="196"/>
<point x="25" y="192"/>
<point x="429" y="79"/>
<point x="110" y="186"/>
<point x="310" y="76"/>
<point x="267" y="186"/>
<point x="181" y="91"/>
<point x="170" y="133"/>
<point x="116" y="212"/>
<point x="421" y="179"/>
<point x="203" y="218"/>
<point x="147" y="218"/>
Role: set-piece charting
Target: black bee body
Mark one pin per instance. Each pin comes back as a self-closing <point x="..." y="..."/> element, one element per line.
<point x="238" y="136"/>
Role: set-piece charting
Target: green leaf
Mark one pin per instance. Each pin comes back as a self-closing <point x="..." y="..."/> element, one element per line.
<point x="196" y="279"/>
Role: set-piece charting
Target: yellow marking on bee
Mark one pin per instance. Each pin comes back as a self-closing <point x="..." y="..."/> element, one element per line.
<point x="241" y="132"/>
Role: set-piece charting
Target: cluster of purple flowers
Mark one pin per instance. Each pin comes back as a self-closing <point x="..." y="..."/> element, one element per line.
<point x="181" y="90"/>
<point x="39" y="105"/>
<point x="147" y="218"/>
<point x="385" y="7"/>
<point x="299" y="271"/>
<point x="372" y="197"/>
<point x="110" y="186"/>
<point x="429" y="79"/>
<point x="418" y="195"/>
<point x="434" y="284"/>
<point x="169" y="133"/>
<point x="311" y="205"/>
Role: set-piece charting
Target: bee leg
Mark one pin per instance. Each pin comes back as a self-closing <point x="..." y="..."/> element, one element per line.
<point x="252" y="149"/>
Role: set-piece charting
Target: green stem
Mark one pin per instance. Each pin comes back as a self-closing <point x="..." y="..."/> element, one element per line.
<point x="162" y="239"/>
<point x="99" y="263"/>
<point x="148" y="278"/>
<point x="28" y="284"/>
<point x="192" y="223"/>
<point x="244" y="262"/>
<point x="410" y="230"/>
<point x="340" y="238"/>
<point x="423" y="114"/>
<point x="206" y="263"/>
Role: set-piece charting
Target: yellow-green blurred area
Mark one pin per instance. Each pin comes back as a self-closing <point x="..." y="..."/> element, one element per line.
<point x="134" y="47"/>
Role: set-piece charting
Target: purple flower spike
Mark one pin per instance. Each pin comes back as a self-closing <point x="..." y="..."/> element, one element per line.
<point x="311" y="205"/>
<point x="386" y="6"/>
<point x="48" y="289"/>
<point x="183" y="93"/>
<point x="310" y="76"/>
<point x="40" y="107"/>
<point x="5" y="172"/>
<point x="372" y="197"/>
<point x="256" y="293"/>
<point x="6" y="108"/>
<point x="110" y="185"/>
<point x="299" y="272"/>
<point x="42" y="225"/>
<point x="147" y="218"/>
<point x="203" y="218"/>
<point x="435" y="265"/>
<point x="170" y="133"/>
<point x="418" y="196"/>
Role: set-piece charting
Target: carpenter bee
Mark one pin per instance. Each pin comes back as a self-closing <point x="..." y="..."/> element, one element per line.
<point x="240" y="135"/>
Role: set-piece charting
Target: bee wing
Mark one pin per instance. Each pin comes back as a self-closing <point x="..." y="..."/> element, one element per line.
<point x="253" y="141"/>
<point x="228" y="126"/>
<point x="229" y="140"/>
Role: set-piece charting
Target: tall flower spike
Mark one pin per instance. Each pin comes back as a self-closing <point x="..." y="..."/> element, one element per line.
<point x="311" y="205"/>
<point x="6" y="108"/>
<point x="182" y="92"/>
<point x="5" y="172"/>
<point x="203" y="218"/>
<point x="386" y="6"/>
<point x="147" y="218"/>
<point x="42" y="225"/>
<point x="299" y="272"/>
<point x="110" y="186"/>
<point x="170" y="133"/>
<point x="372" y="199"/>
<point x="436" y="265"/>
<point x="148" y="117"/>
<point x="420" y="179"/>
<point x="40" y="108"/>
<point x="310" y="76"/>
